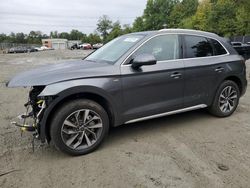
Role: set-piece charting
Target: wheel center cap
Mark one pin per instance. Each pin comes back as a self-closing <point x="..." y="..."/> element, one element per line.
<point x="82" y="128"/>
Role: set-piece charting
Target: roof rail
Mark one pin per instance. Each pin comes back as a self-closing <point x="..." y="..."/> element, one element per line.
<point x="191" y="30"/>
<point x="177" y="29"/>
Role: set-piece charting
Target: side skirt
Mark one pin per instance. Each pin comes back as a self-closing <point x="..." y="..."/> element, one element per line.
<point x="168" y="113"/>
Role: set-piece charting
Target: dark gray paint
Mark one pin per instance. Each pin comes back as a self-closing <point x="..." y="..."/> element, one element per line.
<point x="51" y="74"/>
<point x="136" y="93"/>
<point x="147" y="91"/>
<point x="202" y="79"/>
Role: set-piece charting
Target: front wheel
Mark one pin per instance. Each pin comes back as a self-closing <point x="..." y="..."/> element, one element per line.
<point x="79" y="127"/>
<point x="226" y="99"/>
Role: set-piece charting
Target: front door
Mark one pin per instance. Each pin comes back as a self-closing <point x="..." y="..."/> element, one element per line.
<point x="154" y="89"/>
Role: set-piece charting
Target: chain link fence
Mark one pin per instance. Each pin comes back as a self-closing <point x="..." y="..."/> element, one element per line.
<point x="7" y="45"/>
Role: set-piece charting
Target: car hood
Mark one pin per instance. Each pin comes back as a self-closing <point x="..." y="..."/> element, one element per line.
<point x="61" y="72"/>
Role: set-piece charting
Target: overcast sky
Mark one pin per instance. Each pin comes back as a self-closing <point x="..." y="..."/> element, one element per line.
<point x="64" y="15"/>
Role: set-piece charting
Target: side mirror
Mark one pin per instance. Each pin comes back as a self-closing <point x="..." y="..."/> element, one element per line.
<point x="143" y="60"/>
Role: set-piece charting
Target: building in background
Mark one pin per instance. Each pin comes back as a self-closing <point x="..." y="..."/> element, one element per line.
<point x="57" y="44"/>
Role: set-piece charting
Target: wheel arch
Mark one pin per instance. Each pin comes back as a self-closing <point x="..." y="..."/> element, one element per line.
<point x="237" y="80"/>
<point x="233" y="78"/>
<point x="72" y="94"/>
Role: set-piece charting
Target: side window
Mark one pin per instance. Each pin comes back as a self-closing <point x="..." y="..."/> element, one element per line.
<point x="218" y="48"/>
<point x="164" y="47"/>
<point x="196" y="46"/>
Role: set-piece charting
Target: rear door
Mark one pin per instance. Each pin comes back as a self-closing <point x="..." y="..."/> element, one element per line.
<point x="158" y="88"/>
<point x="203" y="68"/>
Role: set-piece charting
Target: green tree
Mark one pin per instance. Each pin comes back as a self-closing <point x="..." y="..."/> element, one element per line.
<point x="115" y="31"/>
<point x="127" y="29"/>
<point x="103" y="26"/>
<point x="20" y="38"/>
<point x="34" y="37"/>
<point x="138" y="24"/>
<point x="200" y="19"/>
<point x="54" y="34"/>
<point x="157" y="14"/>
<point x="64" y="35"/>
<point x="243" y="18"/>
<point x="93" y="38"/>
<point x="4" y="38"/>
<point x="12" y="37"/>
<point x="222" y="18"/>
<point x="76" y="35"/>
<point x="181" y="11"/>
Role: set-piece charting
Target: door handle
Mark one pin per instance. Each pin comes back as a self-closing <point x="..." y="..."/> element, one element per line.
<point x="219" y="69"/>
<point x="176" y="75"/>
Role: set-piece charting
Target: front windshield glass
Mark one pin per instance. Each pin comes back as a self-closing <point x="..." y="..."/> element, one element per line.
<point x="113" y="50"/>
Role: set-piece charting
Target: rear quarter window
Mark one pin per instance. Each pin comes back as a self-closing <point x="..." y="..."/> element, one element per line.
<point x="218" y="48"/>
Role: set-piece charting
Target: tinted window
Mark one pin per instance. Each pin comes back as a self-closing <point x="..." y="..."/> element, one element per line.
<point x="164" y="47"/>
<point x="218" y="48"/>
<point x="196" y="46"/>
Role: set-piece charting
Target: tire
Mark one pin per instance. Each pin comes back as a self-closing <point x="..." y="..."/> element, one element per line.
<point x="79" y="127"/>
<point x="226" y="99"/>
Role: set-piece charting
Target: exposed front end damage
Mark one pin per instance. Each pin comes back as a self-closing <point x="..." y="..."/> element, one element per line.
<point x="46" y="82"/>
<point x="35" y="107"/>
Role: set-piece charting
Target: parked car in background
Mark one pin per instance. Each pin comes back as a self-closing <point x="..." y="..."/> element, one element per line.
<point x="75" y="47"/>
<point x="22" y="49"/>
<point x="86" y="46"/>
<point x="97" y="46"/>
<point x="19" y="49"/>
<point x="44" y="48"/>
<point x="242" y="49"/>
<point x="38" y="48"/>
<point x="135" y="77"/>
<point x="237" y="43"/>
<point x="32" y="49"/>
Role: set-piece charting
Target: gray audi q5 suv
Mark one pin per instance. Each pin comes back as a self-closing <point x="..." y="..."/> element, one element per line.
<point x="134" y="77"/>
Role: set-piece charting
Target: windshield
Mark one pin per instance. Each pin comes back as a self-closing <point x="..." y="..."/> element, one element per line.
<point x="113" y="50"/>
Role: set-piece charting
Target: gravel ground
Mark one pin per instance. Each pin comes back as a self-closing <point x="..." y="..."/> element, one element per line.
<point x="192" y="149"/>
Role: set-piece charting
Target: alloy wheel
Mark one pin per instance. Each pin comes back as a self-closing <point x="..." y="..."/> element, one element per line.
<point x="81" y="129"/>
<point x="228" y="99"/>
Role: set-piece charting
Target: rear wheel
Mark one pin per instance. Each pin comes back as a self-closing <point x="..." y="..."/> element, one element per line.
<point x="79" y="127"/>
<point x="226" y="99"/>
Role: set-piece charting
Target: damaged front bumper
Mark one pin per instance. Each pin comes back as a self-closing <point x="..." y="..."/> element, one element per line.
<point x="35" y="107"/>
<point x="33" y="127"/>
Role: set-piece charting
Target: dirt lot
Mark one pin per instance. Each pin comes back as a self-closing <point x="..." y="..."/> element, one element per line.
<point x="185" y="150"/>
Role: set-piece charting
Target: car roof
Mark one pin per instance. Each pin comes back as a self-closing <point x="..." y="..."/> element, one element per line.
<point x="179" y="31"/>
<point x="188" y="31"/>
<point x="142" y="33"/>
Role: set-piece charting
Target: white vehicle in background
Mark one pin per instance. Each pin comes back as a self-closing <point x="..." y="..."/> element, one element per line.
<point x="97" y="46"/>
<point x="38" y="48"/>
<point x="43" y="48"/>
